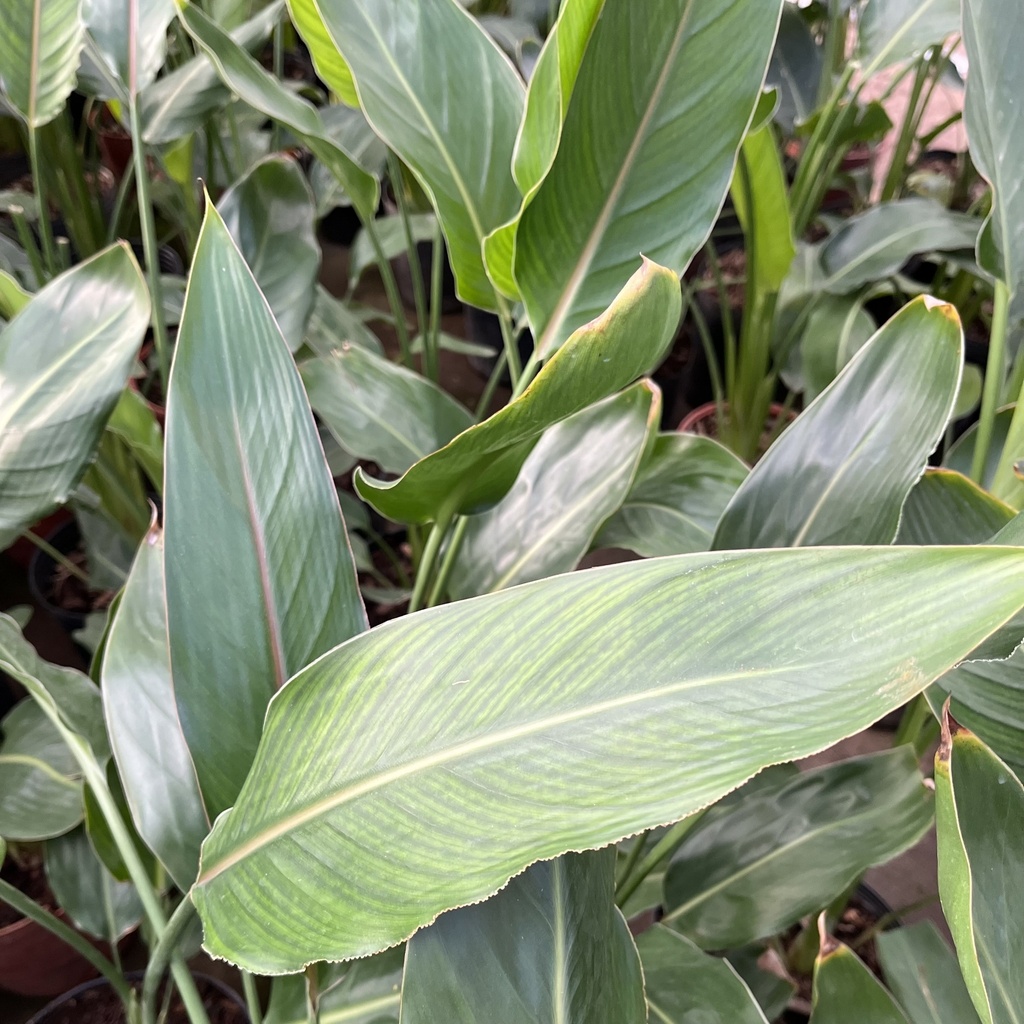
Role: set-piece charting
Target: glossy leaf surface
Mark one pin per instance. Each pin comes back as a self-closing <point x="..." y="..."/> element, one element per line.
<point x="249" y="506"/>
<point x="654" y="184"/>
<point x="551" y="946"/>
<point x="684" y="984"/>
<point x="841" y="472"/>
<point x="795" y="69"/>
<point x="792" y="846"/>
<point x="479" y="466"/>
<point x="578" y="474"/>
<point x="152" y="757"/>
<point x="980" y="818"/>
<point x="891" y="31"/>
<point x="944" y="507"/>
<point x="511" y="721"/>
<point x="846" y="992"/>
<point x="380" y="411"/>
<point x="130" y="38"/>
<point x="64" y="359"/>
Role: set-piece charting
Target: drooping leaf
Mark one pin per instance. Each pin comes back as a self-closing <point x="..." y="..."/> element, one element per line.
<point x="156" y="769"/>
<point x="129" y="37"/>
<point x="250" y="510"/>
<point x="892" y="31"/>
<point x="944" y="507"/>
<point x="578" y="474"/>
<point x="270" y="214"/>
<point x="551" y="946"/>
<point x="791" y="847"/>
<point x="512" y="724"/>
<point x="40" y="42"/>
<point x="921" y="971"/>
<point x="841" y="472"/>
<point x="980" y="817"/>
<point x="684" y="984"/>
<point x="677" y="498"/>
<point x="654" y="184"/>
<point x="445" y="99"/>
<point x="64" y="360"/>
<point x="478" y="467"/>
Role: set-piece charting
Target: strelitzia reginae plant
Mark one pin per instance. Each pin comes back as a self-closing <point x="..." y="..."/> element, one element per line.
<point x="434" y="819"/>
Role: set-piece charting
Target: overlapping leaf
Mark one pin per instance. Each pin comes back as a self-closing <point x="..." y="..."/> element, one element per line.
<point x="891" y="31"/>
<point x="846" y="992"/>
<point x="944" y="507"/>
<point x="130" y="38"/>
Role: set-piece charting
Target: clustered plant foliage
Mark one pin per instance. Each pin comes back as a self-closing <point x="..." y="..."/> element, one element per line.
<point x="541" y="795"/>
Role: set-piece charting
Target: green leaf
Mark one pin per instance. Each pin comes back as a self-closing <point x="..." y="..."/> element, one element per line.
<point x="249" y="505"/>
<point x="134" y="423"/>
<point x="677" y="498"/>
<point x="684" y="984"/>
<point x="795" y="70"/>
<point x="440" y="93"/>
<point x="390" y="232"/>
<point x="892" y="31"/>
<point x="771" y="991"/>
<point x="328" y="62"/>
<point x="40" y="42"/>
<point x="129" y="38"/>
<point x="846" y="992"/>
<point x="40" y="786"/>
<point x="270" y="214"/>
<point x="479" y="466"/>
<point x="980" y="811"/>
<point x="791" y="847"/>
<point x="64" y="360"/>
<point x="578" y="474"/>
<point x="875" y="244"/>
<point x="841" y="472"/>
<point x="265" y="93"/>
<point x="512" y="724"/>
<point x="922" y="972"/>
<point x="944" y="507"/>
<point x="13" y="298"/>
<point x="333" y="322"/>
<point x="551" y="946"/>
<point x="87" y="892"/>
<point x="379" y="411"/>
<point x="156" y="769"/>
<point x="654" y="184"/>
<point x="961" y="454"/>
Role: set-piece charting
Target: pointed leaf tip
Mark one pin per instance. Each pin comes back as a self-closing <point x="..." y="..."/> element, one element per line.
<point x="951" y="728"/>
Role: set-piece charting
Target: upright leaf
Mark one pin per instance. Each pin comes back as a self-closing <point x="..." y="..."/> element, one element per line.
<point x="64" y="359"/>
<point x="512" y="723"/>
<point x="656" y="182"/>
<point x="130" y="38"/>
<point x="944" y="507"/>
<point x="40" y="42"/>
<point x="152" y="757"/>
<point x="551" y="946"/>
<point x="795" y="69"/>
<point x="980" y="812"/>
<point x="841" y="472"/>
<point x="891" y="31"/>
<point x="252" y="520"/>
<point x="441" y="94"/>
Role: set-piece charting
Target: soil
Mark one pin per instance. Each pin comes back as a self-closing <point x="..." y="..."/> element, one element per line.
<point x="67" y="591"/>
<point x="101" y="1005"/>
<point x="29" y="877"/>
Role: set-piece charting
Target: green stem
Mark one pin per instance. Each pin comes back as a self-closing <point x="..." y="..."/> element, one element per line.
<point x="448" y="562"/>
<point x="30" y="909"/>
<point x="312" y="995"/>
<point x="60" y="558"/>
<point x="160" y="956"/>
<point x="426" y="566"/>
<point x="635" y="852"/>
<point x="994" y="376"/>
<point x="529" y="372"/>
<point x="29" y="244"/>
<point x="508" y="340"/>
<point x="665" y="847"/>
<point x="905" y="139"/>
<point x="432" y="339"/>
<point x="275" y="132"/>
<point x="387" y="277"/>
<point x="490" y="387"/>
<point x="127" y="181"/>
<point x="415" y="268"/>
<point x="707" y="343"/>
<point x="45" y="230"/>
<point x="149" y="246"/>
<point x="252" y="998"/>
<point x="913" y="721"/>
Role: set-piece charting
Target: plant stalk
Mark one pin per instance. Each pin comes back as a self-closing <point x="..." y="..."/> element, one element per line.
<point x="665" y="847"/>
<point x="432" y="339"/>
<point x="387" y="277"/>
<point x="508" y="340"/>
<point x="252" y="998"/>
<point x="430" y="552"/>
<point x="994" y="376"/>
<point x="29" y="244"/>
<point x="45" y="230"/>
<point x="161" y="955"/>
<point x="415" y="268"/>
<point x="448" y="562"/>
<point x="61" y="559"/>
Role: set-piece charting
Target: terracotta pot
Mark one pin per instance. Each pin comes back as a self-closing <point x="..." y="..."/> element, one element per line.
<point x="704" y="419"/>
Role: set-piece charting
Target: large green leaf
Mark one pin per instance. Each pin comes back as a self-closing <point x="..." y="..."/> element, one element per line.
<point x="250" y="508"/>
<point x="980" y="814"/>
<point x="334" y="322"/>
<point x="329" y="63"/>
<point x="479" y="466"/>
<point x="841" y="472"/>
<point x="684" y="984"/>
<point x="875" y="244"/>
<point x="64" y="359"/>
<point x="129" y="38"/>
<point x="379" y="411"/>
<point x="795" y="69"/>
<point x="270" y="214"/>
<point x="550" y="947"/>
<point x="441" y="94"/>
<point x="680" y="493"/>
<point x="890" y="31"/>
<point x="846" y="992"/>
<point x="792" y="846"/>
<point x="40" y="786"/>
<point x="643" y="164"/>
<point x="156" y="769"/>
<point x="922" y="972"/>
<point x="512" y="724"/>
<point x="40" y="42"/>
<point x="944" y="507"/>
<point x="578" y="474"/>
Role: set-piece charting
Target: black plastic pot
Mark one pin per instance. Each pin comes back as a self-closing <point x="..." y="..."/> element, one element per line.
<point x="403" y="275"/>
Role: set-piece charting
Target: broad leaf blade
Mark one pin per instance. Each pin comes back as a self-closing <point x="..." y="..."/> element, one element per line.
<point x="891" y="31"/>
<point x="152" y="757"/>
<point x="656" y="182"/>
<point x="64" y="360"/>
<point x="578" y="474"/>
<point x="551" y="946"/>
<point x="846" y="992"/>
<point x="250" y="510"/>
<point x="479" y="466"/>
<point x="945" y="507"/>
<point x="512" y="721"/>
<point x="841" y="472"/>
<point x="130" y="38"/>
